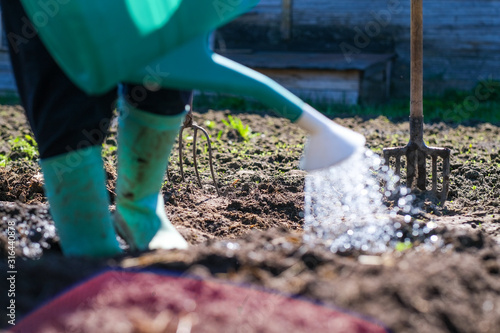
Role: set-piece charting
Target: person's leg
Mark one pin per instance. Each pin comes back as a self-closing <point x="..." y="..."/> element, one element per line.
<point x="163" y="102"/>
<point x="149" y="123"/>
<point x="63" y="118"/>
<point x="69" y="127"/>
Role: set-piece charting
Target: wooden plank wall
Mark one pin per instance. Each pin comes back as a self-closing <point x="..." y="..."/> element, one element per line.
<point x="318" y="85"/>
<point x="461" y="38"/>
<point x="7" y="83"/>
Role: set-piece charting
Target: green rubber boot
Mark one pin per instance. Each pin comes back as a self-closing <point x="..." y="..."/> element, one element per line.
<point x="75" y="185"/>
<point x="144" y="144"/>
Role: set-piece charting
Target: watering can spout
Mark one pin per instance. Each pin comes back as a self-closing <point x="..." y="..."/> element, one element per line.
<point x="328" y="143"/>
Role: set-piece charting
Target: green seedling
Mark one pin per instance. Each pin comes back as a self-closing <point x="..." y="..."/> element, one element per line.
<point x="209" y="124"/>
<point x="3" y="160"/>
<point x="108" y="150"/>
<point x="219" y="135"/>
<point x="403" y="246"/>
<point x="243" y="130"/>
<point x="25" y="145"/>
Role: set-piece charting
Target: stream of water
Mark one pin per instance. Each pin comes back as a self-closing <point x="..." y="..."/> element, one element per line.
<point x="345" y="209"/>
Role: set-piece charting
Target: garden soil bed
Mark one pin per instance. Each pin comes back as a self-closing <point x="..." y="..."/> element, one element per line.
<point x="252" y="233"/>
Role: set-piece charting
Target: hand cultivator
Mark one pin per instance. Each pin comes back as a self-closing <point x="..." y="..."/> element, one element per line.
<point x="416" y="151"/>
<point x="189" y="123"/>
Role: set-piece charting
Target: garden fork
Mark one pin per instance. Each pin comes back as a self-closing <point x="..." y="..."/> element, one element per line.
<point x="189" y="123"/>
<point x="416" y="150"/>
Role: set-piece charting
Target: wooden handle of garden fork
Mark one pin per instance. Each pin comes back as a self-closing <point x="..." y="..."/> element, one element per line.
<point x="417" y="47"/>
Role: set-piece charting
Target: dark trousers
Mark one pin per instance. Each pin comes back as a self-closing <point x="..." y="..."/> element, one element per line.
<point x="63" y="117"/>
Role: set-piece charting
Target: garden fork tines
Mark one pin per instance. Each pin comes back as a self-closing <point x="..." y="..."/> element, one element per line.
<point x="416" y="151"/>
<point x="189" y="123"/>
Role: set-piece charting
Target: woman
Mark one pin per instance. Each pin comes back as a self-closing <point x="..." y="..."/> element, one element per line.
<point x="70" y="126"/>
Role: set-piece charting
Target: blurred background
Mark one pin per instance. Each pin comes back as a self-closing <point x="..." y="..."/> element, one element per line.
<point x="364" y="45"/>
<point x="357" y="52"/>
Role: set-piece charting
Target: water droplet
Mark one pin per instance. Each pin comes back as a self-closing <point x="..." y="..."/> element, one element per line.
<point x="344" y="205"/>
<point x="232" y="246"/>
<point x="487" y="306"/>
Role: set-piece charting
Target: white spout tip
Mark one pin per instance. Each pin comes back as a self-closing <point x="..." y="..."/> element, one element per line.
<point x="328" y="143"/>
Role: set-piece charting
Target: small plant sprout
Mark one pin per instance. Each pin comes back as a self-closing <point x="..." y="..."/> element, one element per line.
<point x="108" y="150"/>
<point x="403" y="246"/>
<point x="209" y="124"/>
<point x="243" y="130"/>
<point x="3" y="160"/>
<point x="219" y="135"/>
<point x="25" y="145"/>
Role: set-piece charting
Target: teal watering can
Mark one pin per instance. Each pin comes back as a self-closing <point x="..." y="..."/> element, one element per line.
<point x="100" y="43"/>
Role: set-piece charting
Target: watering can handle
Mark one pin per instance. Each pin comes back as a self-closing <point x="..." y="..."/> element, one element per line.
<point x="417" y="39"/>
<point x="194" y="66"/>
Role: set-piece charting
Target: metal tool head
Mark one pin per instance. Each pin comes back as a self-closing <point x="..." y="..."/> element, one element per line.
<point x="189" y="123"/>
<point x="416" y="153"/>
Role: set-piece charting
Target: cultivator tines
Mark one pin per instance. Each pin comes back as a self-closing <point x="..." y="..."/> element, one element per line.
<point x="189" y="123"/>
<point x="416" y="153"/>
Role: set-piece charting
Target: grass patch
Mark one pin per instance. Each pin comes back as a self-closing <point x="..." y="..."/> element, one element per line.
<point x="456" y="107"/>
<point x="227" y="102"/>
<point x="9" y="99"/>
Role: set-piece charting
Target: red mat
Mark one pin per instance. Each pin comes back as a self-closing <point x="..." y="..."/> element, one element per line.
<point x="117" y="301"/>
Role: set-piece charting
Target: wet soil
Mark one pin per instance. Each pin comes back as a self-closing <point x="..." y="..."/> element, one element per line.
<point x="252" y="233"/>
